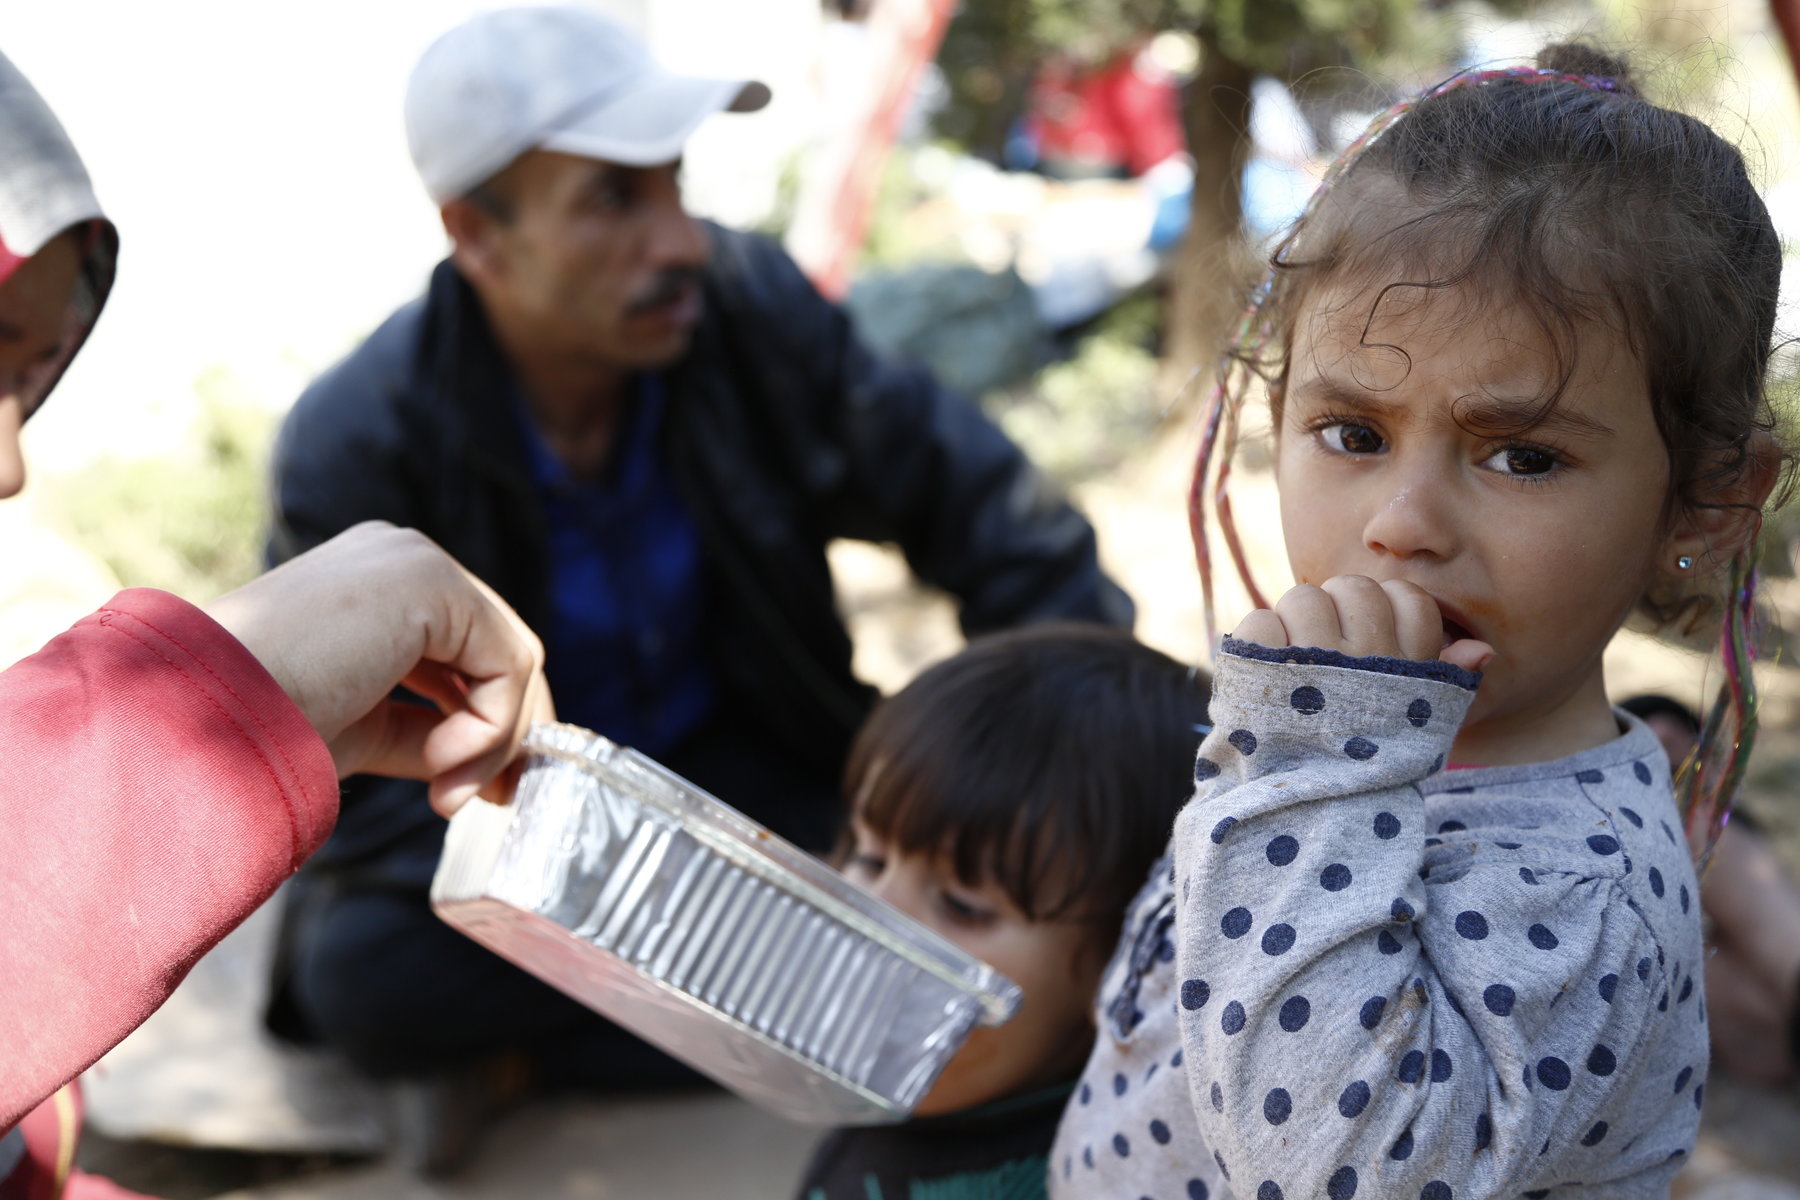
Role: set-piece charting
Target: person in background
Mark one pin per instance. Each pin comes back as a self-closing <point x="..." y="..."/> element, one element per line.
<point x="166" y="767"/>
<point x="1013" y="798"/>
<point x="642" y="430"/>
<point x="1753" y="970"/>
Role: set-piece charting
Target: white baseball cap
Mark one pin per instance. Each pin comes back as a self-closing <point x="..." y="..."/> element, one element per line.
<point x="562" y="78"/>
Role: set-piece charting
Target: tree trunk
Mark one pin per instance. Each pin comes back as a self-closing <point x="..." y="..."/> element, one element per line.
<point x="1212" y="265"/>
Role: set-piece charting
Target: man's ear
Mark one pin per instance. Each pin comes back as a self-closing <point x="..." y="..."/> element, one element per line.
<point x="1711" y="531"/>
<point x="474" y="240"/>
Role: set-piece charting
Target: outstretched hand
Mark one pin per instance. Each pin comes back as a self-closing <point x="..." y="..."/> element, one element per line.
<point x="1356" y="615"/>
<point x="340" y="626"/>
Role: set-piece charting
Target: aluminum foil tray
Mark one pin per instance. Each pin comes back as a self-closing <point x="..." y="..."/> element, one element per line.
<point x="648" y="900"/>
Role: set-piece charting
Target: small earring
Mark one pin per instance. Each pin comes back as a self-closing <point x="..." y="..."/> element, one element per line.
<point x="1683" y="563"/>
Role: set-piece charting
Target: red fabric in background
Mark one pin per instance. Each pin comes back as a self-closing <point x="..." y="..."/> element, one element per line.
<point x="1125" y="115"/>
<point x="156" y="785"/>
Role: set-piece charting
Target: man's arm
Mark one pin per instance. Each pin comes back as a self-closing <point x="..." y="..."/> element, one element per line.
<point x="924" y="467"/>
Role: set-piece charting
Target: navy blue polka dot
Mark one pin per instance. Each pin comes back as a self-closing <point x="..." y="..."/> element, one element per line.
<point x="1681" y="1080"/>
<point x="1643" y="776"/>
<point x="1278" y="1106"/>
<point x="1342" y="1184"/>
<point x="1120" y="1083"/>
<point x="1440" y="1066"/>
<point x="1403" y="1148"/>
<point x="1197" y="1189"/>
<point x="1278" y="939"/>
<point x="1411" y="1068"/>
<point x="1667" y="832"/>
<point x="1525" y="873"/>
<point x="1553" y="1073"/>
<point x="1699" y="1091"/>
<point x="1386" y="943"/>
<point x="1282" y="850"/>
<point x="1087" y="1157"/>
<point x="1643" y="970"/>
<point x="1542" y="938"/>
<point x="1361" y="749"/>
<point x="1295" y="1012"/>
<point x="1151" y="1071"/>
<point x="1539" y="1194"/>
<point x="1400" y="910"/>
<point x="1437" y="1189"/>
<point x="1235" y="923"/>
<point x="1267" y="1190"/>
<point x="1232" y="1019"/>
<point x="1452" y="827"/>
<point x="1589" y="777"/>
<point x="1602" y="1061"/>
<point x="1596" y="1135"/>
<point x="1508" y="845"/>
<point x="1121" y="1145"/>
<point x="1600" y="843"/>
<point x="1160" y="1132"/>
<point x="1609" y="984"/>
<point x="1484" y="1131"/>
<point x="1687" y="989"/>
<point x="1205" y="769"/>
<point x="1335" y="878"/>
<point x="1243" y="740"/>
<point x="1471" y="925"/>
<point x="1308" y="700"/>
<point x="1630" y="814"/>
<point x="1194" y="994"/>
<point x="1434" y="841"/>
<point x="1222" y="828"/>
<point x="1218" y="1097"/>
<point x="1353" y="1099"/>
<point x="1419" y="712"/>
<point x="1387" y="825"/>
<point x="1656" y="882"/>
<point x="1175" y="1059"/>
<point x="1684" y="897"/>
<point x="1499" y="999"/>
<point x="1372" y="1009"/>
<point x="1662" y="1005"/>
<point x="1220" y="1159"/>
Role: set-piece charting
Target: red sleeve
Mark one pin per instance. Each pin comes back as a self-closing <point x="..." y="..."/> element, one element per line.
<point x="156" y="785"/>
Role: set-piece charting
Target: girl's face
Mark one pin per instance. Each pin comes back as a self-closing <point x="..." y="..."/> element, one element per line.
<point x="1536" y="542"/>
<point x="1055" y="964"/>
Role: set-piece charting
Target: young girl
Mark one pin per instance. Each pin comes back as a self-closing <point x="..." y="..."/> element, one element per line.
<point x="1436" y="925"/>
<point x="1011" y="798"/>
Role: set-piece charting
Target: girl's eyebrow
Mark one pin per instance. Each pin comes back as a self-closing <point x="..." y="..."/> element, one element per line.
<point x="1493" y="414"/>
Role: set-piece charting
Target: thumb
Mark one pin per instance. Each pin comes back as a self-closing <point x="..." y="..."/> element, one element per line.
<point x="1467" y="653"/>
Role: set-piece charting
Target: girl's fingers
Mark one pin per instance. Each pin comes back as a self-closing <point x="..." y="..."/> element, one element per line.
<point x="1418" y="625"/>
<point x="1263" y="628"/>
<point x="1364" y="614"/>
<point x="1467" y="653"/>
<point x="1310" y="616"/>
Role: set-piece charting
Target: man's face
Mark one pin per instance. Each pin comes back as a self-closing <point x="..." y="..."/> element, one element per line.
<point x="592" y="263"/>
<point x="34" y="322"/>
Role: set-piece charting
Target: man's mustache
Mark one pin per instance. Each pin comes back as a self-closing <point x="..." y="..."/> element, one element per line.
<point x="668" y="286"/>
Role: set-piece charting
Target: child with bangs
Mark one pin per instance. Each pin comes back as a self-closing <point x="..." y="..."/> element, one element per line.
<point x="1436" y="924"/>
<point x="1012" y="798"/>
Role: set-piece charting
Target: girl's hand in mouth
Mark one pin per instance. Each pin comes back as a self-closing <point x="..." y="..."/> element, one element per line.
<point x="1358" y="616"/>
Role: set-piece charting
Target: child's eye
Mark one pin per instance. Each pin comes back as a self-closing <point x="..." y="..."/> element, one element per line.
<point x="964" y="912"/>
<point x="1351" y="437"/>
<point x="865" y="866"/>
<point x="1521" y="460"/>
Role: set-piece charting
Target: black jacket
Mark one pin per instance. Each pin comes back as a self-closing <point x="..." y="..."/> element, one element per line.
<point x="782" y="432"/>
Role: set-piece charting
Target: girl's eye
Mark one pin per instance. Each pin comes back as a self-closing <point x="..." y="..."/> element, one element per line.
<point x="1350" y="437"/>
<point x="1522" y="460"/>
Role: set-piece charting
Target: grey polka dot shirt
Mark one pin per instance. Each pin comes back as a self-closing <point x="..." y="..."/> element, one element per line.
<point x="1358" y="974"/>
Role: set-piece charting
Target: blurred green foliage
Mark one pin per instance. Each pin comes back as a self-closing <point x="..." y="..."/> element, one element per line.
<point x="191" y="523"/>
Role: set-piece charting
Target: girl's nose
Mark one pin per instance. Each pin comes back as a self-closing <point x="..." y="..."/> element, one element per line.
<point x="1413" y="515"/>
<point x="893" y="887"/>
